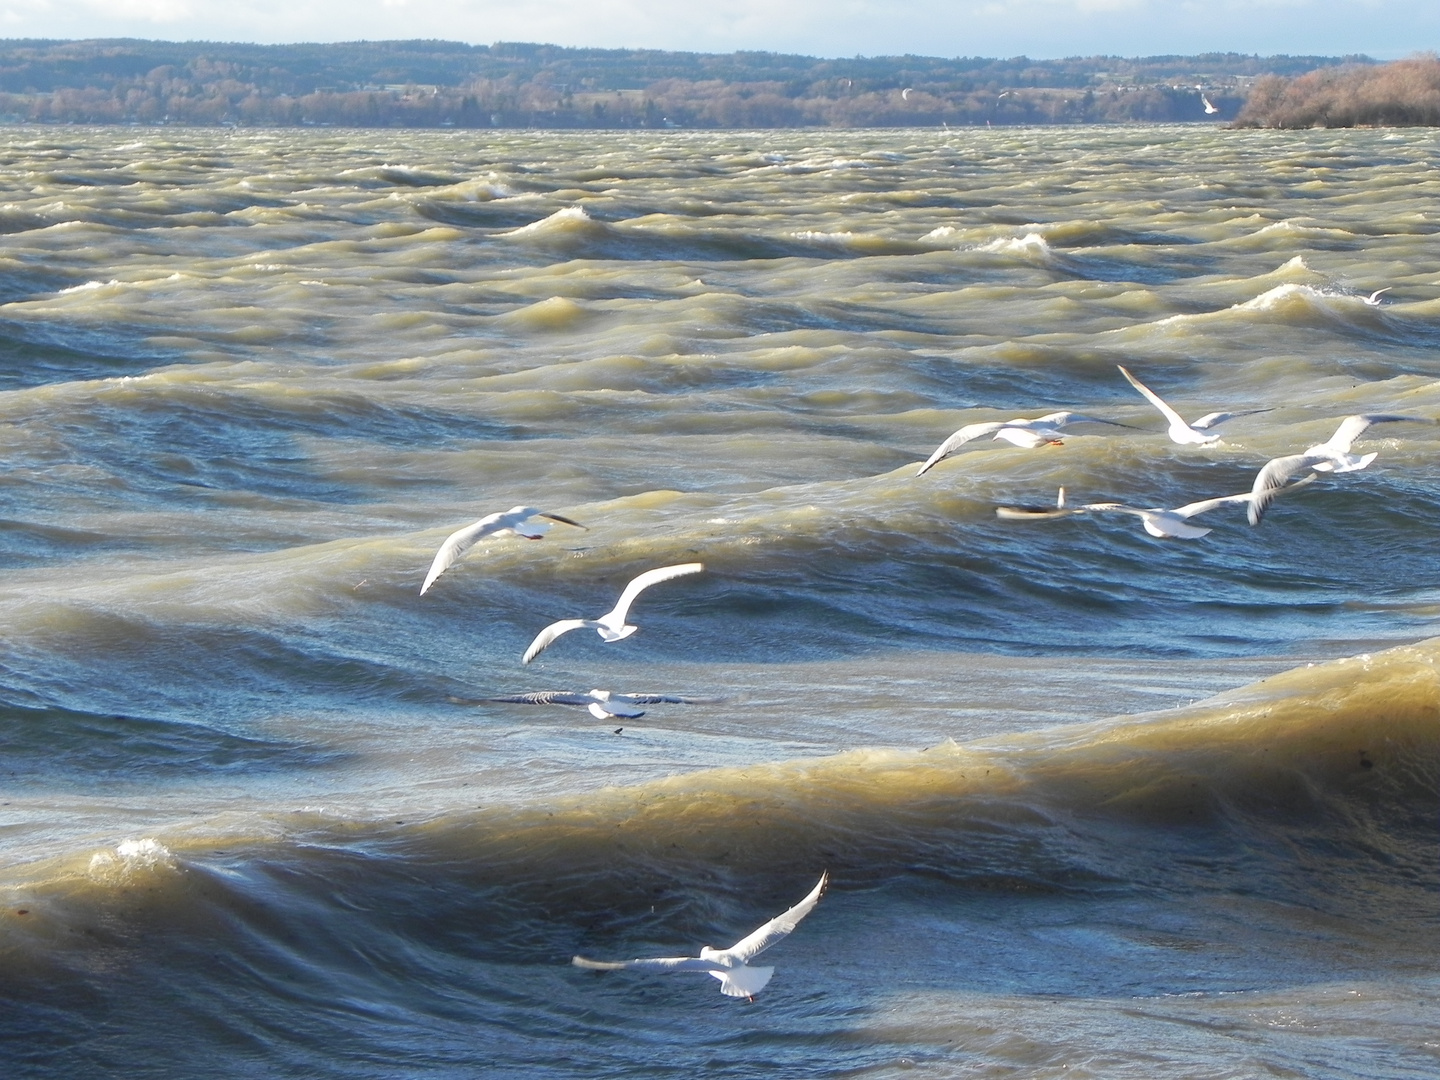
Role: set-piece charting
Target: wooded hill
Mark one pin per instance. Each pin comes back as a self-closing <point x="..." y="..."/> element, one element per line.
<point x="447" y="84"/>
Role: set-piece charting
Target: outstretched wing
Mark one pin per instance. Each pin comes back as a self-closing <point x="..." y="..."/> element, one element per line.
<point x="550" y="633"/>
<point x="659" y="963"/>
<point x="643" y="582"/>
<point x="1035" y="513"/>
<point x="964" y="435"/>
<point x="1352" y="427"/>
<point x="457" y="543"/>
<point x="1065" y="419"/>
<point x="664" y="699"/>
<point x="757" y="942"/>
<point x="1189" y="510"/>
<point x="546" y="697"/>
<point x="1215" y="419"/>
<point x="1165" y="410"/>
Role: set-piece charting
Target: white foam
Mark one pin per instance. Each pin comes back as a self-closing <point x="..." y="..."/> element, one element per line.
<point x="560" y="220"/>
<point x="88" y="286"/>
<point x="143" y="854"/>
<point x="1031" y="243"/>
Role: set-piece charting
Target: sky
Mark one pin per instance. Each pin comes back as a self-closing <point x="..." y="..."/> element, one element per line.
<point x="1042" y="29"/>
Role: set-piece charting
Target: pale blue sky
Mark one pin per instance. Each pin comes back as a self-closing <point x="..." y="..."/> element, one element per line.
<point x="1039" y="28"/>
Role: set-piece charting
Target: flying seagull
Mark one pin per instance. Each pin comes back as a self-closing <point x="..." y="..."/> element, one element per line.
<point x="518" y="520"/>
<point x="737" y="977"/>
<point x="611" y="626"/>
<point x="1048" y="429"/>
<point x="1158" y="521"/>
<point x="602" y="704"/>
<point x="1374" y="298"/>
<point x="1210" y="110"/>
<point x="1180" y="431"/>
<point x="1333" y="455"/>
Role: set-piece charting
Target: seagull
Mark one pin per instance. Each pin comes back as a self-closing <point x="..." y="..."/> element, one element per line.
<point x="1158" y="521"/>
<point x="602" y="704"/>
<point x="1374" y="298"/>
<point x="611" y="626"/>
<point x="517" y="520"/>
<point x="1210" y="110"/>
<point x="905" y="94"/>
<point x="1180" y="431"/>
<point x="737" y="977"/>
<point x="1043" y="430"/>
<point x="1333" y="455"/>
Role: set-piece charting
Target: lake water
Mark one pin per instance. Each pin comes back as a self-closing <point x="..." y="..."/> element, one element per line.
<point x="1093" y="803"/>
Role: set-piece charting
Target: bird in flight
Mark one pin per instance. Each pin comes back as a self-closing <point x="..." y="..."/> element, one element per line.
<point x="731" y="966"/>
<point x="602" y="704"/>
<point x="1181" y="431"/>
<point x="1158" y="521"/>
<point x="1333" y="455"/>
<point x="612" y="625"/>
<point x="1041" y="431"/>
<point x="520" y="520"/>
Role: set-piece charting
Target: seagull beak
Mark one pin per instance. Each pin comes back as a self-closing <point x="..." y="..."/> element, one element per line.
<point x="564" y="521"/>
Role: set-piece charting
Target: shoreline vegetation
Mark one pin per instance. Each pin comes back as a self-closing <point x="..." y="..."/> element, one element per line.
<point x="439" y="84"/>
<point x="1405" y="93"/>
<point x="426" y="84"/>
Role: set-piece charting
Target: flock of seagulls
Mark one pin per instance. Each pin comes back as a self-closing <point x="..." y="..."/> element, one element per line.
<point x="738" y="977"/>
<point x="1275" y="477"/>
<point x="731" y="967"/>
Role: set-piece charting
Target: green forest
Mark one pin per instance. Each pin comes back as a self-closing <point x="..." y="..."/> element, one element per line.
<point x="448" y="84"/>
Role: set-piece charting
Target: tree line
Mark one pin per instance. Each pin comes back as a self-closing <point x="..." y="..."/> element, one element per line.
<point x="449" y="84"/>
<point x="1401" y="94"/>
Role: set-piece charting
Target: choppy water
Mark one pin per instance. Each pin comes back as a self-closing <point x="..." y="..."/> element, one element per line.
<point x="1094" y="804"/>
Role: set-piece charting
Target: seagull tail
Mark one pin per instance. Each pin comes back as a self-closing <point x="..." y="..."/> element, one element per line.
<point x="743" y="981"/>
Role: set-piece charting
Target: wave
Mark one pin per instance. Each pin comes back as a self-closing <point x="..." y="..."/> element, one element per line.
<point x="1325" y="770"/>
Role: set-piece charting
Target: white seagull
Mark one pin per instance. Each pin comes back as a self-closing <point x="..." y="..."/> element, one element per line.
<point x="1181" y="431"/>
<point x="602" y="704"/>
<point x="1158" y="521"/>
<point x="1374" y="298"/>
<point x="1333" y="455"/>
<point x="611" y="626"/>
<point x="1210" y="110"/>
<point x="518" y="520"/>
<point x="1043" y="430"/>
<point x="737" y="977"/>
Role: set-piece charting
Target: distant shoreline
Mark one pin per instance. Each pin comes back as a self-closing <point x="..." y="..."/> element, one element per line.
<point x="436" y="84"/>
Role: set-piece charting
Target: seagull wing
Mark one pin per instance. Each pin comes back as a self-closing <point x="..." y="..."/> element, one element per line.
<point x="546" y="697"/>
<point x="966" y="434"/>
<point x="664" y="699"/>
<point x="1189" y="510"/>
<point x="618" y="614"/>
<point x="1041" y="513"/>
<point x="1352" y="427"/>
<point x="549" y="634"/>
<point x="1155" y="399"/>
<point x="659" y="963"/>
<point x="457" y="543"/>
<point x="1270" y="479"/>
<point x="761" y="939"/>
<point x="1065" y="419"/>
<point x="562" y="520"/>
<point x="1215" y="419"/>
